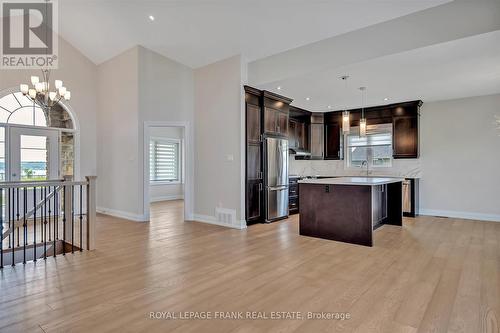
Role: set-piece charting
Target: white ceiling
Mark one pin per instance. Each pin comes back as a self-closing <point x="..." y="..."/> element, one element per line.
<point x="199" y="32"/>
<point x="456" y="69"/>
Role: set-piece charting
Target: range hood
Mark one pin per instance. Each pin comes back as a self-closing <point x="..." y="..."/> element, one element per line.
<point x="301" y="153"/>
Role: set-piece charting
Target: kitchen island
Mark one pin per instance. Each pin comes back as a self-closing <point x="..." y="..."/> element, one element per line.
<point x="349" y="209"/>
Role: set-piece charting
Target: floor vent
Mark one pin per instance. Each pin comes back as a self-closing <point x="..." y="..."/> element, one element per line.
<point x="225" y="216"/>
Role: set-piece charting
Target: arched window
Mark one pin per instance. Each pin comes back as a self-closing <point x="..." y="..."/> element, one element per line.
<point x="15" y="108"/>
<point x="43" y="147"/>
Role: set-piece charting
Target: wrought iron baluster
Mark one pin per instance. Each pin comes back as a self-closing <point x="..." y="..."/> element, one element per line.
<point x="64" y="221"/>
<point x="72" y="219"/>
<point x="9" y="213"/>
<point x="44" y="222"/>
<point x="12" y="230"/>
<point x="81" y="228"/>
<point x="50" y="232"/>
<point x="1" y="227"/>
<point x="17" y="211"/>
<point x="54" y="219"/>
<point x="25" y="224"/>
<point x="34" y="223"/>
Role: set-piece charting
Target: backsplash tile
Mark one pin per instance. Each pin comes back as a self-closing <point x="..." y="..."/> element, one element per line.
<point x="400" y="168"/>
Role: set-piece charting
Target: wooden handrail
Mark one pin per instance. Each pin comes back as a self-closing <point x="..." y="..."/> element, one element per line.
<point x="16" y="184"/>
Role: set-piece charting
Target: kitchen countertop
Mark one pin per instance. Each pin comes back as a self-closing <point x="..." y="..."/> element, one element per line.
<point x="357" y="176"/>
<point x="364" y="181"/>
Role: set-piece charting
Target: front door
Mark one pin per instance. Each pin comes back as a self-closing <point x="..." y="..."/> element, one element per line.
<point x="34" y="154"/>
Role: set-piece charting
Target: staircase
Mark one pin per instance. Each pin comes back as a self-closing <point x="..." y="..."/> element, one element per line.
<point x="45" y="218"/>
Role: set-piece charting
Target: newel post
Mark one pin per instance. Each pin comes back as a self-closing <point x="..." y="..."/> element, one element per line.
<point x="91" y="211"/>
<point x="68" y="209"/>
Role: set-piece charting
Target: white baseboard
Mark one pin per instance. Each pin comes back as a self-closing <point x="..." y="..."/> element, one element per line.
<point x="212" y="220"/>
<point x="167" y="198"/>
<point x="121" y="214"/>
<point x="461" y="215"/>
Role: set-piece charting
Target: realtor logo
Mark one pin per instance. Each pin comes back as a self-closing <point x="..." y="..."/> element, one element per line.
<point x="29" y="35"/>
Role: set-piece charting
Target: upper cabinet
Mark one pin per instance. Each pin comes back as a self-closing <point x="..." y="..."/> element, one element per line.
<point x="405" y="137"/>
<point x="298" y="129"/>
<point x="405" y="124"/>
<point x="276" y="114"/>
<point x="333" y="139"/>
<point x="333" y="136"/>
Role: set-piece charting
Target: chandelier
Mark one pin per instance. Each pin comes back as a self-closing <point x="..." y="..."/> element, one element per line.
<point x="41" y="92"/>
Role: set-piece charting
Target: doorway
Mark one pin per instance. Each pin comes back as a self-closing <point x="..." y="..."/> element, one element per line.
<point x="34" y="154"/>
<point x="167" y="171"/>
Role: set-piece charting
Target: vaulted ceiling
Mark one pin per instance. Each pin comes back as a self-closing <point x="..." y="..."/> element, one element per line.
<point x="399" y="49"/>
<point x="200" y="32"/>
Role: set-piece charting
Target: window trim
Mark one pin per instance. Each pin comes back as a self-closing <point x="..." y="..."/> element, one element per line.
<point x="349" y="166"/>
<point x="180" y="157"/>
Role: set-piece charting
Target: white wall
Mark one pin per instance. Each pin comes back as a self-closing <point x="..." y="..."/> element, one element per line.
<point x="219" y="156"/>
<point x="459" y="162"/>
<point x="137" y="86"/>
<point x="118" y="136"/>
<point x="161" y="192"/>
<point x="460" y="158"/>
<point x="166" y="94"/>
<point x="80" y="76"/>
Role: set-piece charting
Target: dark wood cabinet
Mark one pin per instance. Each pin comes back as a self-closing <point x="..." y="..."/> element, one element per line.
<point x="254" y="163"/>
<point x="405" y="124"/>
<point x="266" y="115"/>
<point x="317" y="139"/>
<point x="275" y="122"/>
<point x="253" y="123"/>
<point x="297" y="135"/>
<point x="300" y="133"/>
<point x="293" y="196"/>
<point x="405" y="136"/>
<point x="254" y="167"/>
<point x="333" y="148"/>
<point x="292" y="134"/>
<point x="254" y="202"/>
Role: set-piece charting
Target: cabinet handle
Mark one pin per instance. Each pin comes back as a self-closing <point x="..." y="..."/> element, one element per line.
<point x="260" y="186"/>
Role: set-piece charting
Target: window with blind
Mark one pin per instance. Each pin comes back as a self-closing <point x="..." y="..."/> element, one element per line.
<point x="164" y="160"/>
<point x="375" y="147"/>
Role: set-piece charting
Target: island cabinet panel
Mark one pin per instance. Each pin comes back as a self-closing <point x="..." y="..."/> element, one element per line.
<point x="349" y="219"/>
<point x="405" y="136"/>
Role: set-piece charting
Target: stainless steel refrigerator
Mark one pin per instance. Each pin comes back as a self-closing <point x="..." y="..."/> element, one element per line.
<point x="276" y="171"/>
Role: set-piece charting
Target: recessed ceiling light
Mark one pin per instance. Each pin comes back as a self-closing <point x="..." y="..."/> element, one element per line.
<point x="386" y="99"/>
<point x="151" y="18"/>
<point x="329" y="106"/>
<point x="308" y="98"/>
<point x="279" y="88"/>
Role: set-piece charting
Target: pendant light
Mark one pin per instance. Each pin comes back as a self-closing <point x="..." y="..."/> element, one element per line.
<point x="362" y="121"/>
<point x="346" y="121"/>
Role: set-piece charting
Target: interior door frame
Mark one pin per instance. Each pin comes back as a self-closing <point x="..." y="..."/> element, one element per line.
<point x="54" y="151"/>
<point x="188" y="167"/>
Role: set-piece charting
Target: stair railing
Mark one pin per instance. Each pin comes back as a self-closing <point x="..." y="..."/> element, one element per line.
<point x="54" y="217"/>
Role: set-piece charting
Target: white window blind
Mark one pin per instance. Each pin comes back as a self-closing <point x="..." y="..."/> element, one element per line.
<point x="164" y="161"/>
<point x="374" y="148"/>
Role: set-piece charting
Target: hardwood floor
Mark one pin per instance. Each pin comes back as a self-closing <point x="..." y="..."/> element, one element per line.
<point x="432" y="275"/>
